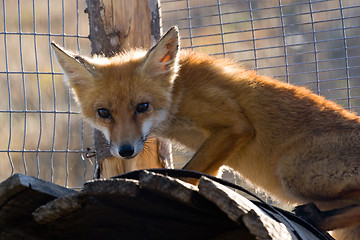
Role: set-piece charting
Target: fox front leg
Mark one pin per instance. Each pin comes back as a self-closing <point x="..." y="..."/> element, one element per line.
<point x="219" y="146"/>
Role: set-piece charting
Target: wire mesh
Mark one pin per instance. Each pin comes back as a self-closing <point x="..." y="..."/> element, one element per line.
<point x="42" y="133"/>
<point x="313" y="43"/>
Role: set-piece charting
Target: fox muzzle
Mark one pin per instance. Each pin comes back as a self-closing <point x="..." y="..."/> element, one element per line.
<point x="126" y="151"/>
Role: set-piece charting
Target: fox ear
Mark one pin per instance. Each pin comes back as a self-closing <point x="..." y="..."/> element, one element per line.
<point x="77" y="69"/>
<point x="162" y="60"/>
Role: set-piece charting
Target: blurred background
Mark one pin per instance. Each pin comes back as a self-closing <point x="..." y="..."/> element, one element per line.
<point x="315" y="44"/>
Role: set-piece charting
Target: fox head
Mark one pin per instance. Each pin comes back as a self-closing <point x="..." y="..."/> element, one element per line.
<point x="126" y="96"/>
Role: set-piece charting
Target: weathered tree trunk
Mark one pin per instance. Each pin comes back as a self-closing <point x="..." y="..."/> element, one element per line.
<point x="116" y="26"/>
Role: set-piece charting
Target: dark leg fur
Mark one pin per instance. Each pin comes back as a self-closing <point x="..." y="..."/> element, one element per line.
<point x="329" y="220"/>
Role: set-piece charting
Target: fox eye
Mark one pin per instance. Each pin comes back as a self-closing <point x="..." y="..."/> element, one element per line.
<point x="104" y="113"/>
<point x="142" y="107"/>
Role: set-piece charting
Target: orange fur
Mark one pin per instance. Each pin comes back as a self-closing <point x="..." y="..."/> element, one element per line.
<point x="294" y="144"/>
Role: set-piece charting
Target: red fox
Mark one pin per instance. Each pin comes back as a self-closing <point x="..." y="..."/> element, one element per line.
<point x="294" y="144"/>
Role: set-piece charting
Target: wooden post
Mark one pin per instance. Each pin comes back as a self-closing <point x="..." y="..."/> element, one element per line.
<point x="116" y="26"/>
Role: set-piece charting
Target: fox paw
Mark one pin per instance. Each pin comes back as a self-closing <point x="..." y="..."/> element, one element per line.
<point x="310" y="213"/>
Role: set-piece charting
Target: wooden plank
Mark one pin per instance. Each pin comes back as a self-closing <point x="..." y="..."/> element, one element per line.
<point x="240" y="209"/>
<point x="121" y="207"/>
<point x="64" y="206"/>
<point x="179" y="191"/>
<point x="19" y="196"/>
<point x="18" y="183"/>
<point x="168" y="186"/>
<point x="155" y="206"/>
<point x="274" y="221"/>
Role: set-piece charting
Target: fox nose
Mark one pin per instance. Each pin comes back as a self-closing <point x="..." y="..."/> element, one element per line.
<point x="126" y="150"/>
